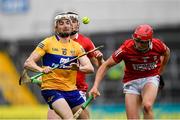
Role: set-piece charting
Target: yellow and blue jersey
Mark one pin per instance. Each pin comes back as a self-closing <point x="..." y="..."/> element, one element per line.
<point x="54" y="51"/>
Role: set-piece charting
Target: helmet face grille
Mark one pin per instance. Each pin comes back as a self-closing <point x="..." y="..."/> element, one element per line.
<point x="143" y="32"/>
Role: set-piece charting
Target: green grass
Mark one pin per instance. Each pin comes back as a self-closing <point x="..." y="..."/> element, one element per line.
<point x="97" y="112"/>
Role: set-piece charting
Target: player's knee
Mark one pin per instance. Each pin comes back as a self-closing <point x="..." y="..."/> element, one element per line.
<point x="67" y="116"/>
<point x="52" y="115"/>
<point x="87" y="114"/>
<point x="84" y="115"/>
<point x="147" y="107"/>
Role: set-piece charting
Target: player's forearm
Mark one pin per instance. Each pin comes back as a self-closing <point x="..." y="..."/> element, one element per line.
<point x="100" y="74"/>
<point x="86" y="68"/>
<point x="30" y="64"/>
<point x="97" y="62"/>
<point x="85" y="65"/>
<point x="165" y="61"/>
<point x="162" y="69"/>
<point x="100" y="62"/>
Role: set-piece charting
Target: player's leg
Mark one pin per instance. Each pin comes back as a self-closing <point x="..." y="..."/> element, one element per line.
<point x="57" y="102"/>
<point x="149" y="93"/>
<point x="76" y="101"/>
<point x="83" y="114"/>
<point x="52" y="115"/>
<point x="62" y="108"/>
<point x="133" y="106"/>
<point x="132" y="99"/>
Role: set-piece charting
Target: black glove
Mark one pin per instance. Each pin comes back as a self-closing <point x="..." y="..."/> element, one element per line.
<point x="161" y="83"/>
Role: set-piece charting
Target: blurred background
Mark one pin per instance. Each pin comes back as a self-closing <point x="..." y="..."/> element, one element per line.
<point x="24" y="23"/>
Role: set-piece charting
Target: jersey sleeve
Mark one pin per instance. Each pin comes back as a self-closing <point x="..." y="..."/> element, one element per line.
<point x="161" y="46"/>
<point x="118" y="54"/>
<point x="41" y="47"/>
<point x="90" y="46"/>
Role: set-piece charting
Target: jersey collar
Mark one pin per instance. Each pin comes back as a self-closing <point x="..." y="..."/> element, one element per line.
<point x="77" y="35"/>
<point x="57" y="37"/>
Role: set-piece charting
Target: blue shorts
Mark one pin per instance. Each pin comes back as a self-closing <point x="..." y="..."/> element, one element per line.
<point x="73" y="98"/>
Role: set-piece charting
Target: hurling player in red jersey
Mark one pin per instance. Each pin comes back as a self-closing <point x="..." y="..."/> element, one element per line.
<point x="145" y="59"/>
<point x="96" y="58"/>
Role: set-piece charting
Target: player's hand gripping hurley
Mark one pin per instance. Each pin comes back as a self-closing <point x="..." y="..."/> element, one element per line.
<point x="24" y="78"/>
<point x="76" y="115"/>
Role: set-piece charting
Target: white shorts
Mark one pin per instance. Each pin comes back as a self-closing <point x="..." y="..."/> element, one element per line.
<point x="83" y="94"/>
<point x="135" y="86"/>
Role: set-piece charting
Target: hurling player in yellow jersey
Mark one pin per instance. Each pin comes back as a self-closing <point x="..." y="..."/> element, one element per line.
<point x="59" y="86"/>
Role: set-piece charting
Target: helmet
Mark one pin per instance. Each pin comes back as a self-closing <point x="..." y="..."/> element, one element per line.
<point x="60" y="16"/>
<point x="75" y="22"/>
<point x="143" y="32"/>
<point x="73" y="15"/>
<point x="57" y="18"/>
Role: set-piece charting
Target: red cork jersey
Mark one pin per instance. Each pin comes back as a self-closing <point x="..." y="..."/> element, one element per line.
<point x="88" y="45"/>
<point x="139" y="64"/>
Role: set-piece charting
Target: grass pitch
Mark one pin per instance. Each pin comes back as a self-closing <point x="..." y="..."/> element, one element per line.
<point x="103" y="112"/>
